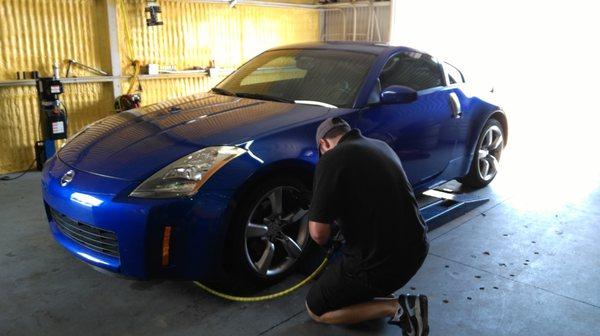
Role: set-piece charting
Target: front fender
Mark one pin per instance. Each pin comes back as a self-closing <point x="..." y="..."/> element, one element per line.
<point x="291" y="153"/>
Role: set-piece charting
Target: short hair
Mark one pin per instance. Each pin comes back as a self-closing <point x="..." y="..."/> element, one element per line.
<point x="343" y="128"/>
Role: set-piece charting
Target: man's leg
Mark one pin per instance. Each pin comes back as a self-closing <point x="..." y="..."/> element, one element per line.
<point x="360" y="312"/>
<point x="408" y="312"/>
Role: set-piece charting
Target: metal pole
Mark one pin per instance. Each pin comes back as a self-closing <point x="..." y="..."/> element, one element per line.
<point x="354" y="23"/>
<point x="377" y="27"/>
<point x="370" y="24"/>
<point x="115" y="54"/>
<point x="394" y="22"/>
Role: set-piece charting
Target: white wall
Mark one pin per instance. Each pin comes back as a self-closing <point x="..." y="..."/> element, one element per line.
<point x="507" y="40"/>
<point x="543" y="58"/>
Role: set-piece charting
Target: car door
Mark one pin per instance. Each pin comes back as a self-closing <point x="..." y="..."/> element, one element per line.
<point x="461" y="128"/>
<point x="417" y="130"/>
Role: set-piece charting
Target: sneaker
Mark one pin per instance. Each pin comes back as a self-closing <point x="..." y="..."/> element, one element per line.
<point x="412" y="315"/>
<point x="402" y="320"/>
<point x="387" y="297"/>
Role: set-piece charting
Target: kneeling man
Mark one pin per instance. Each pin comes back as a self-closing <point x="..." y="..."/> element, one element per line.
<point x="361" y="187"/>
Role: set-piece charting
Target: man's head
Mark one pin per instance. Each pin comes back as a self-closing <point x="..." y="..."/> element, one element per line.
<point x="329" y="133"/>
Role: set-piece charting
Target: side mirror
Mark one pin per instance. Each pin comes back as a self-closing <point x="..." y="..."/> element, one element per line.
<point x="398" y="94"/>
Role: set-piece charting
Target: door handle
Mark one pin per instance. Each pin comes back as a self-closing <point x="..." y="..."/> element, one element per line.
<point x="455" y="105"/>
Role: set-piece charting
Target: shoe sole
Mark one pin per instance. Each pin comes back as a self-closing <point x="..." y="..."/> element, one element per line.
<point x="422" y="315"/>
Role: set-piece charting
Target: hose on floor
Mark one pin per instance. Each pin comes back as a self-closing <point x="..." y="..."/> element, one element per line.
<point x="264" y="297"/>
<point x="8" y="178"/>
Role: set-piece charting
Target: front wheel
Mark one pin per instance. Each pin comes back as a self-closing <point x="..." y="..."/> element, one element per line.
<point x="270" y="235"/>
<point x="486" y="157"/>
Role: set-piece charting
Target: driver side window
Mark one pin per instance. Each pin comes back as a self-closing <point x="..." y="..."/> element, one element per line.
<point x="415" y="70"/>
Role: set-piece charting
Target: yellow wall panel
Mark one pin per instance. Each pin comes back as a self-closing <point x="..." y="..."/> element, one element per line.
<point x="18" y="127"/>
<point x="33" y="35"/>
<point x="193" y="34"/>
<point x="36" y="33"/>
<point x="19" y="118"/>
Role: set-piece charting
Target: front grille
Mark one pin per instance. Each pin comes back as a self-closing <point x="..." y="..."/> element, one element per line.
<point x="96" y="239"/>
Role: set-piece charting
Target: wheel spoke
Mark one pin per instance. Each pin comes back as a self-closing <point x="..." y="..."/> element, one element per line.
<point x="497" y="143"/>
<point x="256" y="230"/>
<point x="482" y="153"/>
<point x="276" y="199"/>
<point x="487" y="140"/>
<point x="493" y="162"/>
<point x="265" y="260"/>
<point x="294" y="217"/>
<point x="291" y="247"/>
<point x="484" y="167"/>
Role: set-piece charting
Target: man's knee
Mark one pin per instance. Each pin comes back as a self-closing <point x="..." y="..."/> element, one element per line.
<point x="314" y="316"/>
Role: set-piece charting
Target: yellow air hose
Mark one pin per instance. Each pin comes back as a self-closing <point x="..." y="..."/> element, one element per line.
<point x="264" y="297"/>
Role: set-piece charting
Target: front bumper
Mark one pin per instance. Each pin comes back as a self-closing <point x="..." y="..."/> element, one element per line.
<point x="96" y="209"/>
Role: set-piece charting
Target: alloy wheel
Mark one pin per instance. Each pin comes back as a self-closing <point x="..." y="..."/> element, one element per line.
<point x="489" y="152"/>
<point x="277" y="231"/>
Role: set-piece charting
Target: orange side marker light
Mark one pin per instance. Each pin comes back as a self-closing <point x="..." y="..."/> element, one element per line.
<point x="166" y="245"/>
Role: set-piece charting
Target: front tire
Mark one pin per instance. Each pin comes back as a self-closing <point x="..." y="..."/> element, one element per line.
<point x="486" y="157"/>
<point x="269" y="237"/>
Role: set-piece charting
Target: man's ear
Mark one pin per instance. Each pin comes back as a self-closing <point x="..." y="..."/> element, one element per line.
<point x="323" y="146"/>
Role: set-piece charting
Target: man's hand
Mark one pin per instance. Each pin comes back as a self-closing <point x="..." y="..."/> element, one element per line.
<point x="319" y="232"/>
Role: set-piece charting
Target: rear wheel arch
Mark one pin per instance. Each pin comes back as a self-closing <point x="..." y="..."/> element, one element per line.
<point x="473" y="177"/>
<point x="501" y="117"/>
<point x="479" y="124"/>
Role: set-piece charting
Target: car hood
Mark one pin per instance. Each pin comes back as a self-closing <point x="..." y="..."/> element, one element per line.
<point x="132" y="145"/>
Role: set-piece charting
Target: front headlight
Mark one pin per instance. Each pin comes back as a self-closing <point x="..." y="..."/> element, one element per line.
<point x="185" y="176"/>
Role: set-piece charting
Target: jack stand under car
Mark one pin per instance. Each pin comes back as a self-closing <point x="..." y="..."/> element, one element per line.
<point x="447" y="206"/>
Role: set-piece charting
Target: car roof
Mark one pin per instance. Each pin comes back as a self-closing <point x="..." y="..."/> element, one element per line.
<point x="365" y="47"/>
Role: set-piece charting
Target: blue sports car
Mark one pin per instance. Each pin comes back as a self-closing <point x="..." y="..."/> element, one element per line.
<point x="217" y="184"/>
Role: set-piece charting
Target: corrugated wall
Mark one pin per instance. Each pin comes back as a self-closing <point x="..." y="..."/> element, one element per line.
<point x="35" y="33"/>
<point x="195" y="33"/>
<point x="19" y="118"/>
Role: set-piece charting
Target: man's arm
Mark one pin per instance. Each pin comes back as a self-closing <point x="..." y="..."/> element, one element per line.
<point x="319" y="232"/>
<point x="323" y="207"/>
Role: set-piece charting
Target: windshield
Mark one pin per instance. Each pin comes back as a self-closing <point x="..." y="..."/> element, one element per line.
<point x="321" y="76"/>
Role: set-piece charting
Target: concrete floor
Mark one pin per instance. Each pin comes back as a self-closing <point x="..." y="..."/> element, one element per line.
<point x="525" y="263"/>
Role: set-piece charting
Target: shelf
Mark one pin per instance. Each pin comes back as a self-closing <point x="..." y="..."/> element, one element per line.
<point x="104" y="79"/>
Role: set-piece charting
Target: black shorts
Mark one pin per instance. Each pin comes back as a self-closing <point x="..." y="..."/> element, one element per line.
<point x="337" y="288"/>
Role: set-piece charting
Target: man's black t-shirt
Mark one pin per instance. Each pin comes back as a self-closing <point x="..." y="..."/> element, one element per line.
<point x="362" y="186"/>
